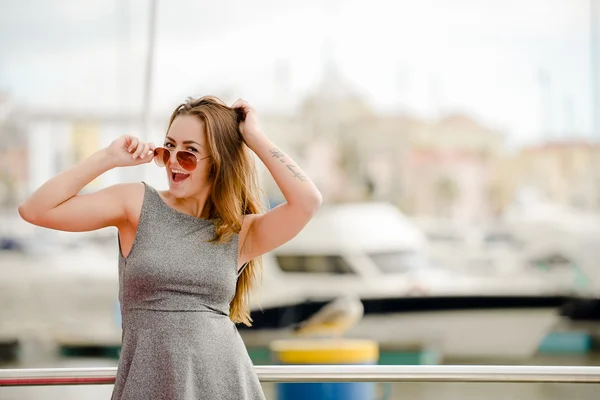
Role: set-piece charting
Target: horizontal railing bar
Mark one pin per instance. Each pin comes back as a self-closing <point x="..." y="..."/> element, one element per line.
<point x="428" y="373"/>
<point x="333" y="373"/>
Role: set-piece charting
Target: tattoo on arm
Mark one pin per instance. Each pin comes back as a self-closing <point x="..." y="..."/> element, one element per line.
<point x="276" y="153"/>
<point x="297" y="174"/>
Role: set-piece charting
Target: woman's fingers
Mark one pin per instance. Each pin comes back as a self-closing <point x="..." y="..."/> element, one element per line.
<point x="237" y="103"/>
<point x="146" y="151"/>
<point x="139" y="150"/>
<point x="149" y="151"/>
<point x="134" y="144"/>
<point x="241" y="103"/>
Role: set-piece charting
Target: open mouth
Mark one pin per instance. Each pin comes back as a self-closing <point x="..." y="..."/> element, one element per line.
<point x="179" y="176"/>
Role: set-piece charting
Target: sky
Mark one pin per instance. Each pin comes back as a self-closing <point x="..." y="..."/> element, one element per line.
<point x="519" y="66"/>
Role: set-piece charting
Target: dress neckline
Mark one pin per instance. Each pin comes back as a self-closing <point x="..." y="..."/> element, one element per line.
<point x="175" y="211"/>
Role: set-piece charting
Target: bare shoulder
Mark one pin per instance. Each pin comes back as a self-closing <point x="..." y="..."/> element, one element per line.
<point x="262" y="233"/>
<point x="132" y="196"/>
<point x="135" y="189"/>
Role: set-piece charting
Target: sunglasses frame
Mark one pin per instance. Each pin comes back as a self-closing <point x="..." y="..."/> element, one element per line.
<point x="170" y="153"/>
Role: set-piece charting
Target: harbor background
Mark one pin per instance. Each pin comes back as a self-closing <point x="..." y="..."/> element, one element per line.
<point x="473" y="126"/>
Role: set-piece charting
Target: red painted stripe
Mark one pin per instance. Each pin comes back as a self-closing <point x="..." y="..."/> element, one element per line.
<point x="55" y="381"/>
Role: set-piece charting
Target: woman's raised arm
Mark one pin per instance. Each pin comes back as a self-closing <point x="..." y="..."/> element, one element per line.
<point x="58" y="205"/>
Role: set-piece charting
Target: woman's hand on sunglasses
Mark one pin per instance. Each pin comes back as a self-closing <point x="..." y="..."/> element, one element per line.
<point x="128" y="151"/>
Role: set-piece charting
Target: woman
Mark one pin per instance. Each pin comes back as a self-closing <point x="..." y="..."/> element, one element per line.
<point x="188" y="257"/>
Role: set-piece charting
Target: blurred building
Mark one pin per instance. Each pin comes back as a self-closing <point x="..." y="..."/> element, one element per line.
<point x="441" y="168"/>
<point x="450" y="169"/>
<point x="59" y="139"/>
<point x="560" y="172"/>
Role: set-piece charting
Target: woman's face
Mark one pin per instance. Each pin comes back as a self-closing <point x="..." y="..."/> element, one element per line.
<point x="187" y="133"/>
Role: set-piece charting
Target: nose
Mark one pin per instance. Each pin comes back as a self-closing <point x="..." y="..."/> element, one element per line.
<point x="172" y="157"/>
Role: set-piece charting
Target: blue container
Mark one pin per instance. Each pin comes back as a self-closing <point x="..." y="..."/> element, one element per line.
<point x="566" y="343"/>
<point x="326" y="390"/>
<point x="329" y="352"/>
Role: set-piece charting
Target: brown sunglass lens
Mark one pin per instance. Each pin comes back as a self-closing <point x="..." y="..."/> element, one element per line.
<point x="186" y="160"/>
<point x="161" y="156"/>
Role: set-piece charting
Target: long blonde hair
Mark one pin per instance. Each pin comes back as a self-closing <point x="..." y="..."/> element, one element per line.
<point x="234" y="191"/>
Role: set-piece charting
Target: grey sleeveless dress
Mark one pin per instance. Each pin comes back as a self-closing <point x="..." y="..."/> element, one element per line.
<point x="178" y="342"/>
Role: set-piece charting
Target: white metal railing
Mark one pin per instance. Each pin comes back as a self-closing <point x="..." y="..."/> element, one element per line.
<point x="332" y="373"/>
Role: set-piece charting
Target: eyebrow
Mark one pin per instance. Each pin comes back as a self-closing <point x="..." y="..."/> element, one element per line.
<point x="184" y="142"/>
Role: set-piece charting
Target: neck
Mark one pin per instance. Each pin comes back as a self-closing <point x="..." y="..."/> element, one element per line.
<point x="196" y="205"/>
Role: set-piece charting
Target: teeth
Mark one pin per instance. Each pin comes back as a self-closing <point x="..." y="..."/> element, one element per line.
<point x="179" y="172"/>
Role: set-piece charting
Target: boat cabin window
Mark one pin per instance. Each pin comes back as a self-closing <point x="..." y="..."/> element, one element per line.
<point x="502" y="238"/>
<point x="551" y="261"/>
<point x="316" y="264"/>
<point x="394" y="262"/>
<point x="440" y="237"/>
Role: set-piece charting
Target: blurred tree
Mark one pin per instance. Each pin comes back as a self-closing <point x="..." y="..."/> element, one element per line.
<point x="495" y="198"/>
<point x="349" y="156"/>
<point x="8" y="190"/>
<point x="13" y="150"/>
<point x="446" y="194"/>
<point x="369" y="186"/>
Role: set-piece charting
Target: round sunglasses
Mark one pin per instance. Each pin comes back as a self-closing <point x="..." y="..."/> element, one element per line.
<point x="186" y="159"/>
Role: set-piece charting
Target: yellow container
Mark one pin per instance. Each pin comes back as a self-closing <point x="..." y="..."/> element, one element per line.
<point x="325" y="351"/>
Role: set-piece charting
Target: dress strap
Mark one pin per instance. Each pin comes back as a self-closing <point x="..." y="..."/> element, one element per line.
<point x="242" y="269"/>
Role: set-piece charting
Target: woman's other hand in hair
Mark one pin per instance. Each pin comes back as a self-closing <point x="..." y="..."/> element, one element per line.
<point x="249" y="128"/>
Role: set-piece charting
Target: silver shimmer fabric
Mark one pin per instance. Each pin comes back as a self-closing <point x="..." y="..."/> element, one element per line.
<point x="178" y="342"/>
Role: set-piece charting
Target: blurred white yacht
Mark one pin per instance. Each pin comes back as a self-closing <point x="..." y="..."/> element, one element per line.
<point x="372" y="250"/>
<point x="368" y="250"/>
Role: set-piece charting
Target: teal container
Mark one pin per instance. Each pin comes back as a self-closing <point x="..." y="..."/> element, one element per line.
<point x="325" y="352"/>
<point x="566" y="343"/>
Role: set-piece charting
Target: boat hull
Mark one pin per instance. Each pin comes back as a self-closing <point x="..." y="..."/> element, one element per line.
<point x="457" y="328"/>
